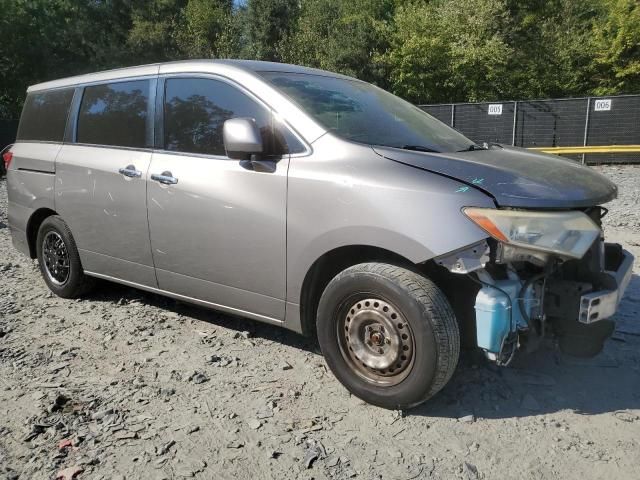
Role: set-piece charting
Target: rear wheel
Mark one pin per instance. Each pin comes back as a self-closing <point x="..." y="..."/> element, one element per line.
<point x="59" y="260"/>
<point x="388" y="334"/>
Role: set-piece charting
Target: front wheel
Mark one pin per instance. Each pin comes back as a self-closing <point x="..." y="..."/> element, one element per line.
<point x="388" y="334"/>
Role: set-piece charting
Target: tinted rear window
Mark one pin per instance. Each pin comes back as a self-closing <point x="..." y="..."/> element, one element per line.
<point x="115" y="114"/>
<point x="44" y="116"/>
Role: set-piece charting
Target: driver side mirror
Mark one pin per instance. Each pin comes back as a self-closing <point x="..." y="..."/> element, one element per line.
<point x="241" y="137"/>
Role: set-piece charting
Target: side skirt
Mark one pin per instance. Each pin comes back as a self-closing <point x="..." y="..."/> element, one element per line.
<point x="184" y="298"/>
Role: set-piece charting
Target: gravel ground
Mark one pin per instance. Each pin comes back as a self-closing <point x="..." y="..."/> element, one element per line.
<point x="125" y="384"/>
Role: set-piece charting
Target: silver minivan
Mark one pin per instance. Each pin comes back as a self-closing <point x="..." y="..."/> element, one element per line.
<point x="316" y="202"/>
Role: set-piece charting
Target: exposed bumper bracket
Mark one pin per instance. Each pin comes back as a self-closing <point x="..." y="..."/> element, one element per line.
<point x="603" y="304"/>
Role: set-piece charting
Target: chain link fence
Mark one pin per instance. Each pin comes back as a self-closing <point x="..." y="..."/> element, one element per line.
<point x="604" y="122"/>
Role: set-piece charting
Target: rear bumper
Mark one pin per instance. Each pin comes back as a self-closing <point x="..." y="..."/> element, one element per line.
<point x="602" y="304"/>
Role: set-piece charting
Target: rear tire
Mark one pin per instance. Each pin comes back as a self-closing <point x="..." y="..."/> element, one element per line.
<point x="388" y="334"/>
<point x="59" y="260"/>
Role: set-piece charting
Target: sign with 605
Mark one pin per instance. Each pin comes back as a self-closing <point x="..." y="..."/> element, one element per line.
<point x="602" y="105"/>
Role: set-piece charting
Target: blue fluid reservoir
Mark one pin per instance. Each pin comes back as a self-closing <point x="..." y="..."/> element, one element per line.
<point x="493" y="314"/>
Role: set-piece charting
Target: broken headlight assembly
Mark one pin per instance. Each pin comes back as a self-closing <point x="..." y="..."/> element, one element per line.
<point x="536" y="235"/>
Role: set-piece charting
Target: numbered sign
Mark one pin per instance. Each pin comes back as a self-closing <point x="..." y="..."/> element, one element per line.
<point x="495" y="109"/>
<point x="602" y="105"/>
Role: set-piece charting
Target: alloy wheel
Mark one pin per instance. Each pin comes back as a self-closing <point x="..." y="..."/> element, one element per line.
<point x="56" y="258"/>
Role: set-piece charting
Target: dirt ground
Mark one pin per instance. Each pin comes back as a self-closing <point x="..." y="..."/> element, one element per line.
<point x="125" y="384"/>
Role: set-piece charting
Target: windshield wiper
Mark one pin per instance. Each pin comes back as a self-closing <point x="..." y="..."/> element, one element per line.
<point x="420" y="148"/>
<point x="473" y="147"/>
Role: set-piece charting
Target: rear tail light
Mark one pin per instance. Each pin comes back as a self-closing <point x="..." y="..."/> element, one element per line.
<point x="7" y="157"/>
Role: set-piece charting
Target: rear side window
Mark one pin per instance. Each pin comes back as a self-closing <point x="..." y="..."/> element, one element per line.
<point x="115" y="114"/>
<point x="44" y="115"/>
<point x="195" y="110"/>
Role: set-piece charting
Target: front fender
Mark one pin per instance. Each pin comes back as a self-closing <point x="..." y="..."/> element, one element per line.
<point x="345" y="194"/>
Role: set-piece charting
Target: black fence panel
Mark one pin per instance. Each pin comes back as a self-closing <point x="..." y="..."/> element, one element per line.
<point x="485" y="122"/>
<point x="555" y="123"/>
<point x="8" y="129"/>
<point x="441" y="112"/>
<point x="575" y="122"/>
<point x="614" y="121"/>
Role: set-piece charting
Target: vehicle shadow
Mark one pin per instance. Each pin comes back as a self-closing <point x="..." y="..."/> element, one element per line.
<point x="116" y="293"/>
<point x="539" y="383"/>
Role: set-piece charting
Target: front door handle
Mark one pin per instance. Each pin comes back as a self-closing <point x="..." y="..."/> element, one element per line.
<point x="130" y="171"/>
<point x="166" y="178"/>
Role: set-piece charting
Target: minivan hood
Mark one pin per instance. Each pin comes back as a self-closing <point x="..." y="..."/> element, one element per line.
<point x="515" y="177"/>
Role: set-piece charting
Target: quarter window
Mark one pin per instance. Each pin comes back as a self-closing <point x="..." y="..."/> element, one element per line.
<point x="195" y="110"/>
<point x="115" y="114"/>
<point x="44" y="115"/>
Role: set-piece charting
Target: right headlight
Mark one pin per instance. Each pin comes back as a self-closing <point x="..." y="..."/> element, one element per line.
<point x="567" y="234"/>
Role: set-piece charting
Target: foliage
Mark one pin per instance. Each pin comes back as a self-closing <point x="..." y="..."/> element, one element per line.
<point x="43" y="39"/>
<point x="423" y="50"/>
<point x="152" y="35"/>
<point x="206" y="29"/>
<point x="267" y="22"/>
<point x="450" y="50"/>
<point x="344" y="36"/>
<point x="553" y="48"/>
<point x="617" y="57"/>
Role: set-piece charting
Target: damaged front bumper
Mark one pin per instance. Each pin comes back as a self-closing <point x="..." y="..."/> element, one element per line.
<point x="602" y="304"/>
<point x="526" y="300"/>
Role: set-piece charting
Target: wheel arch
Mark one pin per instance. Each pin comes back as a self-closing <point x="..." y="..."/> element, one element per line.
<point x="33" y="225"/>
<point x="460" y="290"/>
<point x="328" y="266"/>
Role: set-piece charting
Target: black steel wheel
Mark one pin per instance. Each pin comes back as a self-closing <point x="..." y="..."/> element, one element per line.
<point x="59" y="260"/>
<point x="56" y="258"/>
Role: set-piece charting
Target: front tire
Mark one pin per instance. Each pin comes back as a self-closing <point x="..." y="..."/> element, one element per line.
<point x="59" y="260"/>
<point x="388" y="334"/>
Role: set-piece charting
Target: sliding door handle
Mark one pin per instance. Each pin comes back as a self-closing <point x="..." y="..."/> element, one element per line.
<point x="130" y="171"/>
<point x="166" y="178"/>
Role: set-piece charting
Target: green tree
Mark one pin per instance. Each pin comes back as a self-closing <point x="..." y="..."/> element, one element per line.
<point x="553" y="47"/>
<point x="47" y="39"/>
<point x="453" y="50"/>
<point x="267" y="22"/>
<point x="617" y="58"/>
<point x="207" y="29"/>
<point x="424" y="50"/>
<point x="154" y="23"/>
<point x="345" y="36"/>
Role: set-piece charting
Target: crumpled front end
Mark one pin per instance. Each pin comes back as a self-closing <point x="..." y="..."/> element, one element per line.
<point x="542" y="277"/>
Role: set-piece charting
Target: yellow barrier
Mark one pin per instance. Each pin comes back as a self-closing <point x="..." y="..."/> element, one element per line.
<point x="594" y="149"/>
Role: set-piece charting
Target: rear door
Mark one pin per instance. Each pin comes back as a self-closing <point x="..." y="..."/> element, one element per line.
<point x="101" y="179"/>
<point x="217" y="228"/>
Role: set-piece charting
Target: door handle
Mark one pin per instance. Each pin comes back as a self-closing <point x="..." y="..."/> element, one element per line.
<point x="166" y="178"/>
<point x="130" y="171"/>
